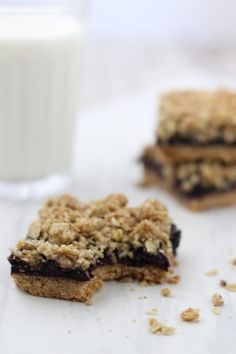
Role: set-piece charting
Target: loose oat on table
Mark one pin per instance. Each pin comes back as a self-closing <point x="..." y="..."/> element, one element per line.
<point x="166" y="292"/>
<point x="190" y="315"/>
<point x="211" y="272"/>
<point x="228" y="286"/>
<point x="157" y="327"/>
<point x="217" y="300"/>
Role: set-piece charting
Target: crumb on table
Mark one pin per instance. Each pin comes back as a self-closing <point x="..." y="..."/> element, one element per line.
<point x="166" y="292"/>
<point x="233" y="261"/>
<point x="152" y="312"/>
<point x="175" y="279"/>
<point x="157" y="327"/>
<point x="216" y="310"/>
<point x="190" y="315"/>
<point x="211" y="272"/>
<point x="217" y="300"/>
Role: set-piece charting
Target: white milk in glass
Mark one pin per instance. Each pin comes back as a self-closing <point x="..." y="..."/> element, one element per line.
<point x="39" y="59"/>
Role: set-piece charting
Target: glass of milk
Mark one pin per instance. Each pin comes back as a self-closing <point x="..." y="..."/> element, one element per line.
<point x="40" y="44"/>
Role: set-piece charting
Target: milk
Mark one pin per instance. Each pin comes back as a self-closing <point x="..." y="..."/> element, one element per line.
<point x="39" y="59"/>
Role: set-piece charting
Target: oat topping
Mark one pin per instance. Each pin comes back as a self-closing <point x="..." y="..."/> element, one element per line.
<point x="157" y="327"/>
<point x="200" y="115"/>
<point x="166" y="292"/>
<point x="217" y="300"/>
<point x="190" y="315"/>
<point x="211" y="272"/>
<point x="78" y="234"/>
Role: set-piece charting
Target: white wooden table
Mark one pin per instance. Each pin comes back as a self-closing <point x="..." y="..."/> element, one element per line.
<point x="110" y="138"/>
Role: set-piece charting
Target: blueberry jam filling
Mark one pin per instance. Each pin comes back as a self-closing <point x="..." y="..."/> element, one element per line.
<point x="140" y="258"/>
<point x="182" y="140"/>
<point x="199" y="191"/>
<point x="149" y="163"/>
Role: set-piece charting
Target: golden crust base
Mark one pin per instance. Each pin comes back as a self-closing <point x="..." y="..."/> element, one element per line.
<point x="58" y="288"/>
<point x="68" y="289"/>
<point x="191" y="153"/>
<point x="196" y="204"/>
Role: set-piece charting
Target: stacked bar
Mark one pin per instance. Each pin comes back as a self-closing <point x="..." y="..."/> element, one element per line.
<point x="195" y="154"/>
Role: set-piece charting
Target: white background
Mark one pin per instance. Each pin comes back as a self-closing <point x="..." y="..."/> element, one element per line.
<point x="170" y="21"/>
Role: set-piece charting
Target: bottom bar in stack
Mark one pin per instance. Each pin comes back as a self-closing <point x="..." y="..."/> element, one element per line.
<point x="200" y="184"/>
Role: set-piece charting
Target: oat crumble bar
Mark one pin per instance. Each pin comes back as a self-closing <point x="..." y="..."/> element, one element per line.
<point x="228" y="286"/>
<point x="74" y="246"/>
<point x="194" y="156"/>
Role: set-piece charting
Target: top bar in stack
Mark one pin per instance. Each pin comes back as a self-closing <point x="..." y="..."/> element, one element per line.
<point x="198" y="124"/>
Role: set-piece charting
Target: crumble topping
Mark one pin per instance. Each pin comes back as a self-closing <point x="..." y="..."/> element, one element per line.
<point x="200" y="115"/>
<point x="78" y="234"/>
<point x="217" y="300"/>
<point x="190" y="315"/>
<point x="166" y="292"/>
<point x="211" y="272"/>
<point x="157" y="327"/>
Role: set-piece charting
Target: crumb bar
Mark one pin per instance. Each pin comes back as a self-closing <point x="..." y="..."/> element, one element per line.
<point x="198" y="124"/>
<point x="200" y="184"/>
<point x="73" y="246"/>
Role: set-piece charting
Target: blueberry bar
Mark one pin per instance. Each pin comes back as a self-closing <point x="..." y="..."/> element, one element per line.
<point x="198" y="124"/>
<point x="200" y="184"/>
<point x="73" y="246"/>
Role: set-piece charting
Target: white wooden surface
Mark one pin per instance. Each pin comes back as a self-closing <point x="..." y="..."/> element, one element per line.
<point x="110" y="137"/>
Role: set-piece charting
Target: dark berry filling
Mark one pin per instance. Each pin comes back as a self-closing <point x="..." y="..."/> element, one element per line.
<point x="183" y="140"/>
<point x="149" y="163"/>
